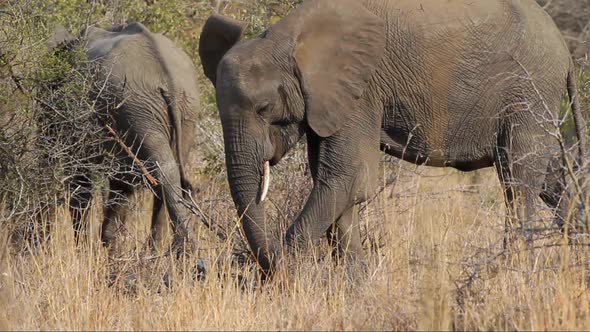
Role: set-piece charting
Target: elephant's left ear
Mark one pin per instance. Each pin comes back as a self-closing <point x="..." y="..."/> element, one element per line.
<point x="339" y="46"/>
<point x="219" y="35"/>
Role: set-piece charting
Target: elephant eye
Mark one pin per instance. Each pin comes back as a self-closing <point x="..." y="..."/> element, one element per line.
<point x="264" y="109"/>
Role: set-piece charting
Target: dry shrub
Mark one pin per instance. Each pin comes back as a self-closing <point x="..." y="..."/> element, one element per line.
<point x="573" y="18"/>
<point x="51" y="133"/>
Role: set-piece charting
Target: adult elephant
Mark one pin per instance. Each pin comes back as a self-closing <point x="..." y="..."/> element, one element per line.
<point x="465" y="84"/>
<point x="146" y="93"/>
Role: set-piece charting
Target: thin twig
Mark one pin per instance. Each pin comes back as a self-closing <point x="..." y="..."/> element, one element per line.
<point x="136" y="160"/>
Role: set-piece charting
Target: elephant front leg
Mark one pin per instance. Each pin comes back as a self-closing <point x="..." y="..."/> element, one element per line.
<point x="345" y="236"/>
<point x="344" y="176"/>
<point x="326" y="204"/>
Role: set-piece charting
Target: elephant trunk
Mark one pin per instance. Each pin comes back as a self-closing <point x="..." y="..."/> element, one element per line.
<point x="248" y="181"/>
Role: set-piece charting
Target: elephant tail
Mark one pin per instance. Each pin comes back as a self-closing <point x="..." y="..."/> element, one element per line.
<point x="577" y="115"/>
<point x="175" y="119"/>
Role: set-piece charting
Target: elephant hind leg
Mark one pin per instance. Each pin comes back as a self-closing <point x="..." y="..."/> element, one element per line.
<point x="557" y="197"/>
<point x="187" y="188"/>
<point x="80" y="191"/>
<point x="171" y="192"/>
<point x="554" y="192"/>
<point x="521" y="159"/>
<point x="517" y="197"/>
<point x="160" y="226"/>
<point x="116" y="210"/>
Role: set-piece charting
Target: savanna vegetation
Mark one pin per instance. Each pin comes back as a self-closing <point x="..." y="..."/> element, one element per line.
<point x="434" y="236"/>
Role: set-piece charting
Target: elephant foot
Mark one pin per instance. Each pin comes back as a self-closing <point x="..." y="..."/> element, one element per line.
<point x="123" y="281"/>
<point x="356" y="269"/>
<point x="182" y="246"/>
<point x="115" y="248"/>
<point x="199" y="271"/>
<point x="580" y="225"/>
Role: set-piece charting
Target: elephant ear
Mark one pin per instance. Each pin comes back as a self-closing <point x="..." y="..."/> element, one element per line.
<point x="219" y="35"/>
<point x="339" y="46"/>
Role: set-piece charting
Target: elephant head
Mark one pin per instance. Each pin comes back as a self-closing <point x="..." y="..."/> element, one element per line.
<point x="300" y="76"/>
<point x="59" y="38"/>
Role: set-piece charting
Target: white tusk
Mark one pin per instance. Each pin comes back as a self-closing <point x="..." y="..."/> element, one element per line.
<point x="265" y="181"/>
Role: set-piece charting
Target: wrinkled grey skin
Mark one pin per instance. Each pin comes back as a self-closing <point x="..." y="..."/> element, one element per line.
<point x="465" y="84"/>
<point x="148" y="88"/>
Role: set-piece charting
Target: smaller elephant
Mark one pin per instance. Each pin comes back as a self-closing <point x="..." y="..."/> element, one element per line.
<point x="148" y="98"/>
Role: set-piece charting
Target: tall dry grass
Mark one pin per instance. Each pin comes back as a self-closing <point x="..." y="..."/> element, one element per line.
<point x="433" y="239"/>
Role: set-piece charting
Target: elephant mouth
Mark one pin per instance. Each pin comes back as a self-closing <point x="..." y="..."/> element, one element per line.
<point x="275" y="160"/>
<point x="265" y="183"/>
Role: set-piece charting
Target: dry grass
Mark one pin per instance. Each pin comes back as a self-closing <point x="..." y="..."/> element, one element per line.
<point x="434" y="235"/>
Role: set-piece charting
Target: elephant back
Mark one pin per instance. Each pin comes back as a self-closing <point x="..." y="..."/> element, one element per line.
<point x="145" y="72"/>
<point x="131" y="56"/>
